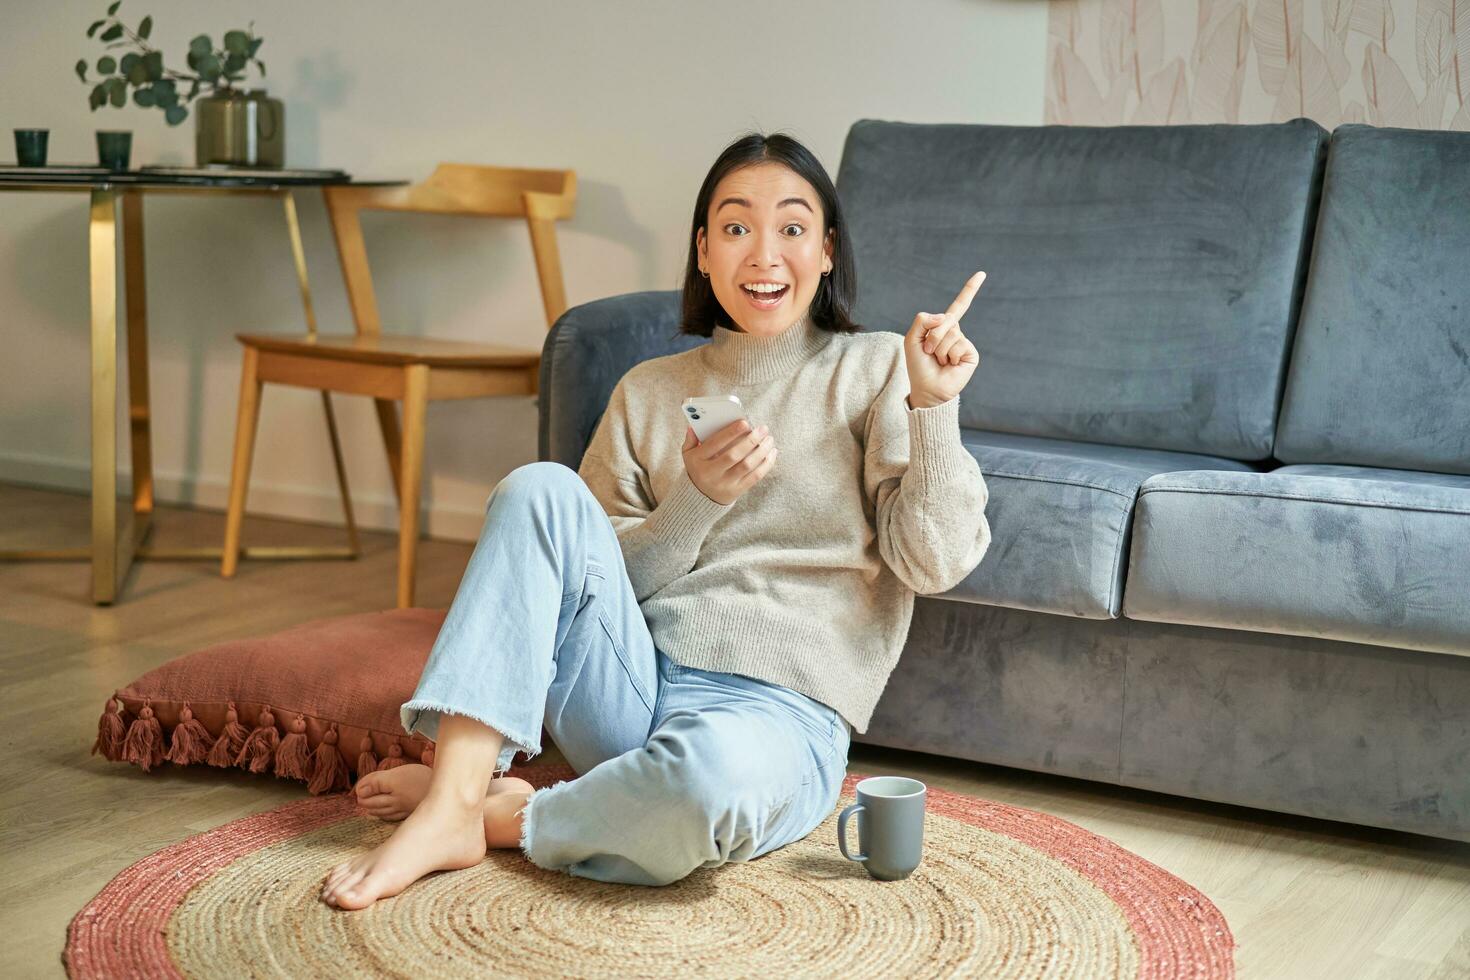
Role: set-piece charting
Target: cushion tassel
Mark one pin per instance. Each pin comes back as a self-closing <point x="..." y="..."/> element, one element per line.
<point x="143" y="745"/>
<point x="395" y="758"/>
<point x="258" y="749"/>
<point x="328" y="768"/>
<point x="110" y="730"/>
<point x="191" y="741"/>
<point x="294" y="753"/>
<point x="231" y="740"/>
<point x="366" y="761"/>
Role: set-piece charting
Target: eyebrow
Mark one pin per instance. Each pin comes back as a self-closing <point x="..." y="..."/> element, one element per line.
<point x="744" y="203"/>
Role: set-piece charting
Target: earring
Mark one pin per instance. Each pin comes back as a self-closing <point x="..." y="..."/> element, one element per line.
<point x="703" y="273"/>
<point x="828" y="272"/>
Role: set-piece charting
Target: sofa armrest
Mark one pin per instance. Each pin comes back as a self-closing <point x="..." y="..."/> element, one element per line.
<point x="588" y="349"/>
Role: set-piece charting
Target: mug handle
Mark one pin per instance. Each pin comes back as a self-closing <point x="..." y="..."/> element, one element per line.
<point x="842" y="831"/>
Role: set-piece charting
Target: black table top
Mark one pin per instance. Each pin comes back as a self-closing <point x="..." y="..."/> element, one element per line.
<point x="68" y="175"/>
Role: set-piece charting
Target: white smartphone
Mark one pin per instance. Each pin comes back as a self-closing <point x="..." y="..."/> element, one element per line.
<point x="709" y="414"/>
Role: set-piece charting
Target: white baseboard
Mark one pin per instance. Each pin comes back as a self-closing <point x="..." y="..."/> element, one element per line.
<point x="310" y="504"/>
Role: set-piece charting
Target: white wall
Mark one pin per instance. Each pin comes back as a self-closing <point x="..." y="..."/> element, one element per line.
<point x="638" y="98"/>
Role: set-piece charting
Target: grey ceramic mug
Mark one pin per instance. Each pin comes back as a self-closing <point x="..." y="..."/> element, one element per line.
<point x="890" y="823"/>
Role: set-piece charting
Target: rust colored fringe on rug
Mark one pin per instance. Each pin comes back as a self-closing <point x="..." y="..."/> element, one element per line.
<point x="1001" y="892"/>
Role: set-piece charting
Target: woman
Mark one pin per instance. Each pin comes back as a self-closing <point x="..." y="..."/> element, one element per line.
<point x="700" y="627"/>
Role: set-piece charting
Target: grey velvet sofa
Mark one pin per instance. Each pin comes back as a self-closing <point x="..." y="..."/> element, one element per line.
<point x="1223" y="409"/>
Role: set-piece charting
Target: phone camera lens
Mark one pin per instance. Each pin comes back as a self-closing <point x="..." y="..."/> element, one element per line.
<point x="696" y="416"/>
<point x="689" y="409"/>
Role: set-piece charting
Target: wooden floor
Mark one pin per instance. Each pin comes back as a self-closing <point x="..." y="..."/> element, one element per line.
<point x="1304" y="898"/>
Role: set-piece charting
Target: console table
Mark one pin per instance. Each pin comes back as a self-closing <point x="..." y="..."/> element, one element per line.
<point x="116" y="203"/>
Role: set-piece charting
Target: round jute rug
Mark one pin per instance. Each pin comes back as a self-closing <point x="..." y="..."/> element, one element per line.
<point x="1001" y="892"/>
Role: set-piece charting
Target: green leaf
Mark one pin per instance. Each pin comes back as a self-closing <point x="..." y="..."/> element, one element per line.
<point x="234" y="63"/>
<point x="106" y="65"/>
<point x="164" y="97"/>
<point x="261" y="66"/>
<point x="153" y="63"/>
<point x="237" y="42"/>
<point x="112" y="33"/>
<point x="175" y="114"/>
<point x="82" y="69"/>
<point x="113" y="9"/>
<point x="145" y="28"/>
<point x="143" y="96"/>
<point x="128" y="61"/>
<point x="193" y="89"/>
<point x="98" y="96"/>
<point x="138" y="73"/>
<point x="255" y="45"/>
<point x="119" y="92"/>
<point x="209" y="67"/>
<point x="95" y="24"/>
<point x="201" y="45"/>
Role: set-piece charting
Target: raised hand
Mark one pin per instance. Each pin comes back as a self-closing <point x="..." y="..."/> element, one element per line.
<point x="940" y="358"/>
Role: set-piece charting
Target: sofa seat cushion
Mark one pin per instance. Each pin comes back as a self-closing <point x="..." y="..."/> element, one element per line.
<point x="1344" y="552"/>
<point x="1059" y="515"/>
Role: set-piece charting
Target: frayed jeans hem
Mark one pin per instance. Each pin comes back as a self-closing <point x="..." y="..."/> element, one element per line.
<point x="512" y="742"/>
<point x="527" y="834"/>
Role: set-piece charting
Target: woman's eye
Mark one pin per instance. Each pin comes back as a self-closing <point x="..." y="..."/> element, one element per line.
<point x="728" y="227"/>
<point x="799" y="228"/>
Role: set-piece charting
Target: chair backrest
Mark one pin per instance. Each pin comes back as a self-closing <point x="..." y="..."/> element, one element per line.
<point x="1380" y="375"/>
<point x="1143" y="280"/>
<point x="540" y="196"/>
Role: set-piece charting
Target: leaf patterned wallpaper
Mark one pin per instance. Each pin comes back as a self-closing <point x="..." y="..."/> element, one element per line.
<point x="1135" y="62"/>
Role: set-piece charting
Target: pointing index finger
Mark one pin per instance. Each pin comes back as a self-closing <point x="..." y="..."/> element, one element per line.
<point x="962" y="301"/>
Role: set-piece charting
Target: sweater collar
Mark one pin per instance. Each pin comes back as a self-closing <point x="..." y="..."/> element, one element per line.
<point x="750" y="358"/>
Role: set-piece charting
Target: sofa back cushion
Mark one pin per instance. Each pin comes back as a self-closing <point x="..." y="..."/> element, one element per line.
<point x="1142" y="280"/>
<point x="587" y="350"/>
<point x="1380" y="373"/>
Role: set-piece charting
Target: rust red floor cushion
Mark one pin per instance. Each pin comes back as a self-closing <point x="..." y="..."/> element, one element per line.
<point x="317" y="702"/>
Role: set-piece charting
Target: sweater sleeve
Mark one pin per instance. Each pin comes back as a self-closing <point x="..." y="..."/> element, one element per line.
<point x="660" y="539"/>
<point x="926" y="489"/>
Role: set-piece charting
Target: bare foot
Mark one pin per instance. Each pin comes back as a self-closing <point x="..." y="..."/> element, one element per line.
<point x="439" y="835"/>
<point x="392" y="794"/>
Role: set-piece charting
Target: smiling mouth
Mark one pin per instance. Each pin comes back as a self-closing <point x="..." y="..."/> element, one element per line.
<point x="766" y="298"/>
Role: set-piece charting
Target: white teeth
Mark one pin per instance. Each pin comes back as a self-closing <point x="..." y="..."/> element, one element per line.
<point x="764" y="287"/>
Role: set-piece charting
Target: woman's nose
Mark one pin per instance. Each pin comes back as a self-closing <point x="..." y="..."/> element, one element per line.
<point x="765" y="251"/>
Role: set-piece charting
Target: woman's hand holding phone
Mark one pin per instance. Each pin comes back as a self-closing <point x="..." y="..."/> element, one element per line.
<point x="730" y="462"/>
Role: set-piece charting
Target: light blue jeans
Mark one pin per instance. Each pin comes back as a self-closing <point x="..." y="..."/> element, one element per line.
<point x="678" y="768"/>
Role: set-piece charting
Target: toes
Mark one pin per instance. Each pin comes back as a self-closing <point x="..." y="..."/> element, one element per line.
<point x="346" y="886"/>
<point x="339" y="874"/>
<point x="356" y="896"/>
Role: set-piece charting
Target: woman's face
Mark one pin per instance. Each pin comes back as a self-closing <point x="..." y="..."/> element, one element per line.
<point x="764" y="228"/>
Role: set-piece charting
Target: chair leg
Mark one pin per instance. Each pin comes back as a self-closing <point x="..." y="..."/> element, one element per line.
<point x="352" y="540"/>
<point x="392" y="440"/>
<point x="415" y="404"/>
<point x="248" y="415"/>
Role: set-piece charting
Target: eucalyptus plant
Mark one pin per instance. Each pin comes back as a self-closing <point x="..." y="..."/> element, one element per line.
<point x="214" y="70"/>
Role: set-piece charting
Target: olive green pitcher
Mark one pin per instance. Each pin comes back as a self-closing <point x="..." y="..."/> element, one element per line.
<point x="242" y="130"/>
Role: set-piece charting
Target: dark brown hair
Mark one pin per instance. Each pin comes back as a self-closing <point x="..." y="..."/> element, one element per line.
<point x="831" y="306"/>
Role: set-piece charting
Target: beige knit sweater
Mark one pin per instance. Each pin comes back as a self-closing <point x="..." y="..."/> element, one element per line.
<point x="808" y="579"/>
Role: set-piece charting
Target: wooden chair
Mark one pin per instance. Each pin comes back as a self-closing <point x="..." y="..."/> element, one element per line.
<point x="410" y="369"/>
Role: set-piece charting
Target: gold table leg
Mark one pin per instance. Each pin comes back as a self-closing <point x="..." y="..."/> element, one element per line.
<point x="293" y="229"/>
<point x="139" y="417"/>
<point x="110" y="559"/>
